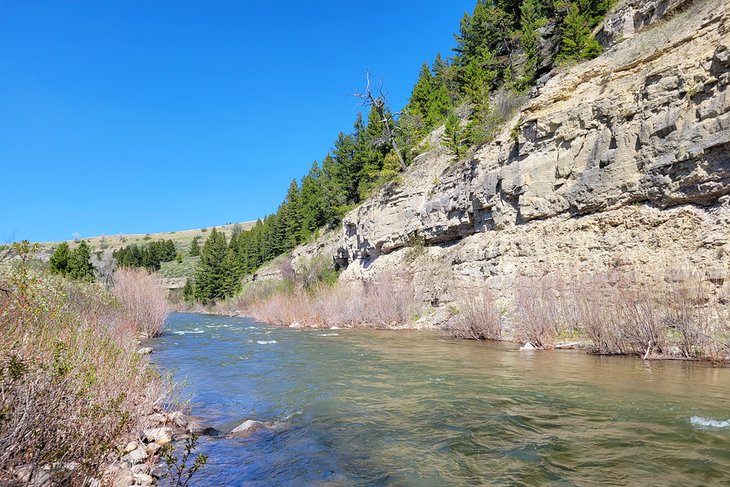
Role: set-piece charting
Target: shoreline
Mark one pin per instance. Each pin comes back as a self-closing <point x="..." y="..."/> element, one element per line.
<point x="578" y="346"/>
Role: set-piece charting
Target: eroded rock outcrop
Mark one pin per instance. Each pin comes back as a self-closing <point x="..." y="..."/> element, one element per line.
<point x="620" y="163"/>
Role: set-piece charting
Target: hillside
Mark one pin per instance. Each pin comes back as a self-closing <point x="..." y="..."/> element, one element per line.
<point x="174" y="272"/>
<point x="619" y="166"/>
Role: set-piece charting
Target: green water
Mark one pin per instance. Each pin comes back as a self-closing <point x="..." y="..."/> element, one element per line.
<point x="410" y="408"/>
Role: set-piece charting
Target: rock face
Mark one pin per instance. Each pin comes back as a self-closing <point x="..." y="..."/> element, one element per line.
<point x="620" y="162"/>
<point x="617" y="164"/>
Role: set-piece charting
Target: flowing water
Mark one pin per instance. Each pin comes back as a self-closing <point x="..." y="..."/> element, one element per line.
<point x="356" y="407"/>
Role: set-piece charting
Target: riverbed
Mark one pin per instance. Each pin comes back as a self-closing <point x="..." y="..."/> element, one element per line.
<point x="365" y="407"/>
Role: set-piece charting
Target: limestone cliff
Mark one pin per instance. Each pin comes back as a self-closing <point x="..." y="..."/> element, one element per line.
<point x="621" y="163"/>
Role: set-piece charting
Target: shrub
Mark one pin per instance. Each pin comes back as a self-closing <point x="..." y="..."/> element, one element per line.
<point x="538" y="310"/>
<point x="143" y="299"/>
<point x="73" y="387"/>
<point x="477" y="317"/>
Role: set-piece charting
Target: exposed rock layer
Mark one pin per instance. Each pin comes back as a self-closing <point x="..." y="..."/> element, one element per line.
<point x="621" y="163"/>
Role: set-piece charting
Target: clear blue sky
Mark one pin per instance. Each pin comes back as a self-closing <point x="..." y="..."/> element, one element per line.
<point x="146" y="116"/>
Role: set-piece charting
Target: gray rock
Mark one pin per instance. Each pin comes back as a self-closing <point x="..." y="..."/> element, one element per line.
<point x="136" y="456"/>
<point x="248" y="428"/>
<point x="198" y="427"/>
<point x="124" y="478"/>
<point x="144" y="351"/>
<point x="527" y="347"/>
<point x="161" y="436"/>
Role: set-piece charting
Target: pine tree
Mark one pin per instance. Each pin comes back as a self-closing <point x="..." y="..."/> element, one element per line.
<point x="194" y="248"/>
<point x="312" y="210"/>
<point x="422" y="94"/>
<point x="478" y="79"/>
<point x="531" y="21"/>
<point x="210" y="274"/>
<point x="577" y="41"/>
<point x="79" y="263"/>
<point x="59" y="259"/>
<point x="189" y="291"/>
<point x="453" y="135"/>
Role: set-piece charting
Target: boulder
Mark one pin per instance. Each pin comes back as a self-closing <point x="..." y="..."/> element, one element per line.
<point x="144" y="351"/>
<point x="527" y="347"/>
<point x="136" y="456"/>
<point x="158" y="471"/>
<point x="178" y="419"/>
<point x="161" y="436"/>
<point x="197" y="427"/>
<point x="124" y="478"/>
<point x="248" y="428"/>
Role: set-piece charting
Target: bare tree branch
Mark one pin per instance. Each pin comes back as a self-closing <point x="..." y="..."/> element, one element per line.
<point x="380" y="103"/>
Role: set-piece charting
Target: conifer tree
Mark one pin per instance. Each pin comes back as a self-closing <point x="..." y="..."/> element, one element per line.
<point x="194" y="248"/>
<point x="210" y="275"/>
<point x="453" y="135"/>
<point x="311" y="205"/>
<point x="59" y="259"/>
<point x="530" y="21"/>
<point x="577" y="41"/>
<point x="189" y="291"/>
<point x="79" y="263"/>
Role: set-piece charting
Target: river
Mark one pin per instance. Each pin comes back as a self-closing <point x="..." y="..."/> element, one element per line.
<point x="362" y="407"/>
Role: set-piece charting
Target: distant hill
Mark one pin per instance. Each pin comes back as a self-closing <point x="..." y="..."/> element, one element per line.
<point x="103" y="246"/>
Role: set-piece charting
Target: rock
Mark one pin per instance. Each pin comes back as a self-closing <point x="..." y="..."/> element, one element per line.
<point x="141" y="468"/>
<point x="527" y="347"/>
<point x="158" y="471"/>
<point x="153" y="448"/>
<point x="131" y="446"/>
<point x="178" y="419"/>
<point x="144" y="351"/>
<point x="197" y="427"/>
<point x="136" y="456"/>
<point x="161" y="436"/>
<point x="144" y="479"/>
<point x="124" y="478"/>
<point x="157" y="418"/>
<point x="296" y="324"/>
<point x="248" y="428"/>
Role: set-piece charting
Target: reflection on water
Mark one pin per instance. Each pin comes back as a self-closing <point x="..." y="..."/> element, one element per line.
<point x="411" y="408"/>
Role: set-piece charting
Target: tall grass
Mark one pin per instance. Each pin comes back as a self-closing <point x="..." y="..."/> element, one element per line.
<point x="72" y="385"/>
<point x="143" y="299"/>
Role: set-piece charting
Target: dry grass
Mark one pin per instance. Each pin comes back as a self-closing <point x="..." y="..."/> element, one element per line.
<point x="143" y="298"/>
<point x="72" y="386"/>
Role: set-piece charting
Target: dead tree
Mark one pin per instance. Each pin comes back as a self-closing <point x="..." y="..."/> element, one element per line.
<point x="380" y="103"/>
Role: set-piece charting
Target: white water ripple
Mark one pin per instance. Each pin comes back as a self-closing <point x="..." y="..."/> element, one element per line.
<point x="265" y="342"/>
<point x="705" y="423"/>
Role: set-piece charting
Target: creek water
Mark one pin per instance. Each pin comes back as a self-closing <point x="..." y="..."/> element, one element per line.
<point x="359" y="407"/>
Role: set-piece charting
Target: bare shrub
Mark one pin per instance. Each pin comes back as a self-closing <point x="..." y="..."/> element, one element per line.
<point x="386" y="302"/>
<point x="143" y="298"/>
<point x="478" y="317"/>
<point x="538" y="310"/>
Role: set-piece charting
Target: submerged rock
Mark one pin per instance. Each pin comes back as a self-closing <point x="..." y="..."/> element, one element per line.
<point x="197" y="427"/>
<point x="527" y="346"/>
<point x="248" y="428"/>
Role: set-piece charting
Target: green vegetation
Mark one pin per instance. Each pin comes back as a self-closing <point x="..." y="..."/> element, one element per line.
<point x="500" y="51"/>
<point x="73" y="388"/>
<point x="149" y="256"/>
<point x="75" y="264"/>
<point x="194" y="248"/>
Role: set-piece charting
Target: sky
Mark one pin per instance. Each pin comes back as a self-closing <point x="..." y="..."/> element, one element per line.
<point x="151" y="116"/>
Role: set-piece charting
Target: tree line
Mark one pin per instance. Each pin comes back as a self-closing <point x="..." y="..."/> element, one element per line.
<point x="502" y="45"/>
<point x="149" y="256"/>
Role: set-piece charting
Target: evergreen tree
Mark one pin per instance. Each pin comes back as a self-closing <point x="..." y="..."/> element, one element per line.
<point x="210" y="275"/>
<point x="194" y="248"/>
<point x="531" y="21"/>
<point x="79" y="263"/>
<point x="478" y="79"/>
<point x="577" y="41"/>
<point x="59" y="259"/>
<point x="189" y="291"/>
<point x="312" y="211"/>
<point x="422" y="94"/>
<point x="453" y="135"/>
<point x="231" y="282"/>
